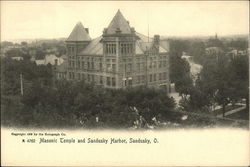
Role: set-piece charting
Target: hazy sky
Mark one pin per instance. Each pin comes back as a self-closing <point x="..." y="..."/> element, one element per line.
<point x="53" y="19"/>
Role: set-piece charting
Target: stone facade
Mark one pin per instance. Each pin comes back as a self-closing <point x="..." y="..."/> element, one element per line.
<point x="119" y="58"/>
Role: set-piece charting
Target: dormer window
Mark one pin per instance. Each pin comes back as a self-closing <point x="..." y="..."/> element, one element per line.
<point x="118" y="30"/>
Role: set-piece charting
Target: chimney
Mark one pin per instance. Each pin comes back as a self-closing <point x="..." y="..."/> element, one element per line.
<point x="157" y="39"/>
<point x="104" y="31"/>
<point x="132" y="30"/>
<point x="56" y="62"/>
<point x="87" y="30"/>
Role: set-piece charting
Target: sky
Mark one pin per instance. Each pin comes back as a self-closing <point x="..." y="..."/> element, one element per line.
<point x="56" y="19"/>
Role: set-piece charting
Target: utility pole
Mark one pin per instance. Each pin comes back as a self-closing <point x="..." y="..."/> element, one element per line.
<point x="21" y="81"/>
<point x="146" y="66"/>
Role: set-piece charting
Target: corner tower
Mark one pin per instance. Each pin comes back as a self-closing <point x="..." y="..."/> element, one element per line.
<point x="77" y="41"/>
<point x="119" y="50"/>
<point x="79" y="38"/>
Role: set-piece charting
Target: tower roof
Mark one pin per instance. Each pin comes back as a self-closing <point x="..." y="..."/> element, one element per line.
<point x="119" y="23"/>
<point x="79" y="33"/>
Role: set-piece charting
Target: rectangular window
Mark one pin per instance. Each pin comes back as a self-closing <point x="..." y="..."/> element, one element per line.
<point x="138" y="66"/>
<point x="83" y="76"/>
<point x="113" y="67"/>
<point x="130" y="82"/>
<point x="70" y="75"/>
<point x="78" y="76"/>
<point x="93" y="78"/>
<point x="129" y="48"/>
<point x="160" y="76"/>
<point x="78" y="64"/>
<point x="154" y="77"/>
<point x="160" y="64"/>
<point x="129" y="67"/>
<point x="150" y="78"/>
<point x="164" y="63"/>
<point x="111" y="48"/>
<point x="142" y="78"/>
<point x="113" y="81"/>
<point x="138" y="79"/>
<point x="82" y="64"/>
<point x="122" y="51"/>
<point x="107" y="48"/>
<point x="155" y="64"/>
<point x="88" y="77"/>
<point x="143" y="66"/>
<point x="164" y="75"/>
<point x="151" y="63"/>
<point x="108" y="67"/>
<point x="126" y="48"/>
<point x="100" y="66"/>
<point x="88" y="66"/>
<point x="92" y="65"/>
<point x="101" y="80"/>
<point x="114" y="47"/>
<point x="108" y="81"/>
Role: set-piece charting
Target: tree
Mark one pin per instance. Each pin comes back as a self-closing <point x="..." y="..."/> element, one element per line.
<point x="180" y="74"/>
<point x="239" y="79"/>
<point x="197" y="50"/>
<point x="32" y="74"/>
<point x="239" y="44"/>
<point x="215" y="42"/>
<point x="6" y="44"/>
<point x="24" y="44"/>
<point x="221" y="81"/>
<point x="40" y="54"/>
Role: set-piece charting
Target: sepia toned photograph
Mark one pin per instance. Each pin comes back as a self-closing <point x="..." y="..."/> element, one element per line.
<point x="168" y="80"/>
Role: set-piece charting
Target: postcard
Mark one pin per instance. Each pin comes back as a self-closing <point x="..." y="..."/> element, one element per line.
<point x="125" y="83"/>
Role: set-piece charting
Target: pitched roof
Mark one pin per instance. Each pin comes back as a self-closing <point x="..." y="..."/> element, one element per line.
<point x="146" y="43"/>
<point x="79" y="33"/>
<point x="162" y="50"/>
<point x="40" y="62"/>
<point x="50" y="59"/>
<point x="119" y="22"/>
<point x="94" y="47"/>
<point x="138" y="49"/>
<point x="165" y="45"/>
<point x="144" y="38"/>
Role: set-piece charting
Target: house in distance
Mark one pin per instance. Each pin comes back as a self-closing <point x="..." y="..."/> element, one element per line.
<point x="119" y="58"/>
